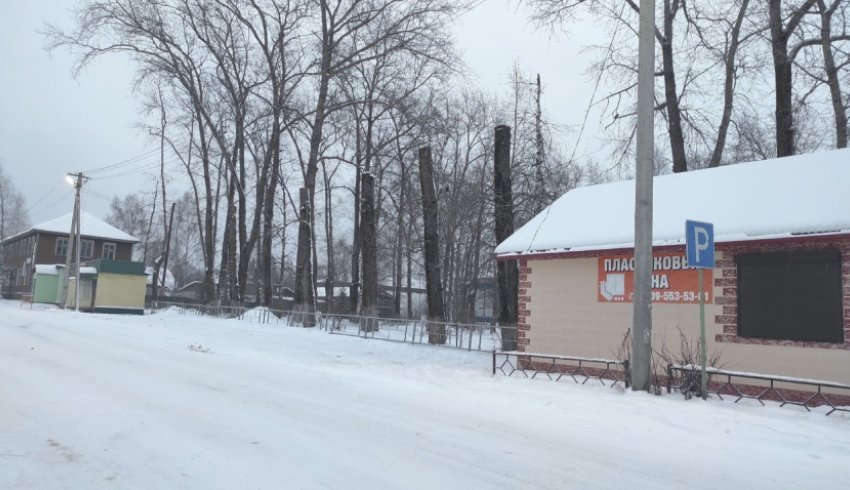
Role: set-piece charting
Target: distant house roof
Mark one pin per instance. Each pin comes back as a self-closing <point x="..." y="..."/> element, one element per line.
<point x="778" y="198"/>
<point x="90" y="227"/>
<point x="170" y="283"/>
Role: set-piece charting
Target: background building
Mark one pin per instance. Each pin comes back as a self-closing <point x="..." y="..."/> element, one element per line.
<point x="47" y="244"/>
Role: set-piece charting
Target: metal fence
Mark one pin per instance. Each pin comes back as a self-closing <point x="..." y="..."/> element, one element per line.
<point x="471" y="337"/>
<point x="806" y="393"/>
<point x="556" y="368"/>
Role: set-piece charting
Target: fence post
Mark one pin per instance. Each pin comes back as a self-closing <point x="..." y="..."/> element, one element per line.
<point x="627" y="374"/>
<point x="494" y="363"/>
<point x="669" y="377"/>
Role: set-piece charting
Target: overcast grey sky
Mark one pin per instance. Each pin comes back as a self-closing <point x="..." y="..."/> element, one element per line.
<point x="52" y="124"/>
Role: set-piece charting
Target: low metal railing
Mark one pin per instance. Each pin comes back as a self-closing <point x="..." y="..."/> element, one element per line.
<point x="806" y="393"/>
<point x="554" y="367"/>
<point x="471" y="337"/>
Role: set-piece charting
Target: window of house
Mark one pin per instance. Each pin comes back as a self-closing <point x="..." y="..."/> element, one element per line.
<point x="87" y="249"/>
<point x="62" y="246"/>
<point x="109" y="251"/>
<point x="790" y="296"/>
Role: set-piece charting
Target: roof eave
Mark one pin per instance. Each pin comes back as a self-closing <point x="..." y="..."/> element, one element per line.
<point x="755" y="241"/>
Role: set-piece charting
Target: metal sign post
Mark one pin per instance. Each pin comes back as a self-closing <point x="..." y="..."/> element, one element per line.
<point x="699" y="247"/>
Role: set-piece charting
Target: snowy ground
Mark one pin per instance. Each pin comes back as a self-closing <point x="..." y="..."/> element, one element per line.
<point x="176" y="401"/>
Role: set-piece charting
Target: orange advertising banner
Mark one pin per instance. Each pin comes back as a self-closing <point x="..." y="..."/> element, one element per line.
<point x="672" y="280"/>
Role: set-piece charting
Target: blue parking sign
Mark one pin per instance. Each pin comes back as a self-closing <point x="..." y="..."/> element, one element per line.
<point x="699" y="244"/>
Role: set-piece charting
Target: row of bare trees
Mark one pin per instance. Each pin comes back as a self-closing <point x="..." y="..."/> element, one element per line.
<point x="297" y="126"/>
<point x="14" y="214"/>
<point x="720" y="64"/>
<point x="277" y="111"/>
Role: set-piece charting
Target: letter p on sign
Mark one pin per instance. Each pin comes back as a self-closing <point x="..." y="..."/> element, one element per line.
<point x="699" y="244"/>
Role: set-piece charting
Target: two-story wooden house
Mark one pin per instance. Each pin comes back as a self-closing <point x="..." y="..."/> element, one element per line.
<point x="47" y="243"/>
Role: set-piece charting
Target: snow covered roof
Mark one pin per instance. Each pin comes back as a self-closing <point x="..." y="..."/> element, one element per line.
<point x="90" y="227"/>
<point x="170" y="282"/>
<point x="48" y="269"/>
<point x="778" y="198"/>
<point x="339" y="291"/>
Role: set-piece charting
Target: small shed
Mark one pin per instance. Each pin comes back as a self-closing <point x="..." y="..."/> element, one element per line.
<point x="120" y="287"/>
<point x="45" y="283"/>
<point x="88" y="276"/>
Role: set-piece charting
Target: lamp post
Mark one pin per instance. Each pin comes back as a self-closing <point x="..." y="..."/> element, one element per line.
<point x="75" y="179"/>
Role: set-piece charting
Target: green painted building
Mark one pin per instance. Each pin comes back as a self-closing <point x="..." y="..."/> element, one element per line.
<point x="45" y="288"/>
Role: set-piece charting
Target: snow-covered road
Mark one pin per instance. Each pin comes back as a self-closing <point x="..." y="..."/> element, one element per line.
<point x="174" y="401"/>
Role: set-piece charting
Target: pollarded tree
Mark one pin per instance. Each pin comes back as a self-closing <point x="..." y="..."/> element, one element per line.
<point x="352" y="32"/>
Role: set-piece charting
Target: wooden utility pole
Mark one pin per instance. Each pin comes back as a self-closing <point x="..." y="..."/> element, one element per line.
<point x="506" y="273"/>
<point x="642" y="301"/>
<point x="433" y="282"/>
<point x="73" y="248"/>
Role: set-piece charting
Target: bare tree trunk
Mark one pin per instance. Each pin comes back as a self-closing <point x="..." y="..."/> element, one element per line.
<point x="728" y="86"/>
<point x="782" y="79"/>
<point x="433" y="281"/>
<point x="780" y="33"/>
<point x="368" y="228"/>
<point x="356" y="244"/>
<point x="329" y="237"/>
<point x="150" y="226"/>
<point x="507" y="275"/>
<point x="541" y="195"/>
<point x="167" y="247"/>
<point x="399" y="245"/>
<point x="408" y="238"/>
<point x="671" y="95"/>
<point x="210" y="221"/>
<point x="265" y="255"/>
<point x="304" y="301"/>
<point x="832" y="81"/>
<point x="162" y="124"/>
<point x="228" y="247"/>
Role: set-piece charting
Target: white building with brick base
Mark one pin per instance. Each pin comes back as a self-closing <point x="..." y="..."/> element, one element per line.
<point x="777" y="302"/>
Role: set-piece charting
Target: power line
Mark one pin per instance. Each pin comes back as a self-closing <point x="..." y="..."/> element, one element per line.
<point x="48" y="193"/>
<point x="89" y="192"/>
<point x="133" y="170"/>
<point x="123" y="162"/>
<point x="34" y="210"/>
<point x="598" y="80"/>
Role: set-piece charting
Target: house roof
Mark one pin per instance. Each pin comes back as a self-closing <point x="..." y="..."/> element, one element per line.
<point x="90" y="227"/>
<point x="771" y="199"/>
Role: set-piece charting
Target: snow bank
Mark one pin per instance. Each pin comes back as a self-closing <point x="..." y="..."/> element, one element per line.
<point x="258" y="314"/>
